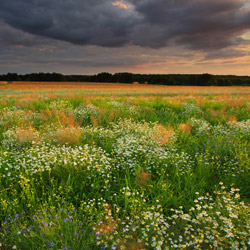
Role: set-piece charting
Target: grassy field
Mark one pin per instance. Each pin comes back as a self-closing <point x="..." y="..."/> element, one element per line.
<point x="111" y="166"/>
<point x="39" y="89"/>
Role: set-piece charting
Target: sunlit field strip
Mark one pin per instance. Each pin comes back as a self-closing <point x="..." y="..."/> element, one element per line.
<point x="114" y="89"/>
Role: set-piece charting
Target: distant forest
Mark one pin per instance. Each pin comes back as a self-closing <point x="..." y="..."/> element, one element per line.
<point x="163" y="79"/>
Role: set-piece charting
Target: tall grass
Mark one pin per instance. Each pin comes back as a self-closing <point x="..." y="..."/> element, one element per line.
<point x="124" y="172"/>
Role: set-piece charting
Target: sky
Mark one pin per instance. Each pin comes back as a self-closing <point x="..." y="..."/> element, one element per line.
<point x="138" y="36"/>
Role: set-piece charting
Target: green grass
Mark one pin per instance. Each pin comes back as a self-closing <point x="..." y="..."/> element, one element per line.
<point x="124" y="172"/>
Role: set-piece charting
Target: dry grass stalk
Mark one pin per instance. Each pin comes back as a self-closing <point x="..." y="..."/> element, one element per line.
<point x="45" y="114"/>
<point x="66" y="119"/>
<point x="143" y="178"/>
<point x="67" y="135"/>
<point x="185" y="127"/>
<point x="107" y="225"/>
<point x="164" y="134"/>
<point x="25" y="136"/>
<point x="3" y="103"/>
<point x="134" y="246"/>
<point x="94" y="121"/>
<point x="232" y="119"/>
<point x="200" y="100"/>
<point x="216" y="113"/>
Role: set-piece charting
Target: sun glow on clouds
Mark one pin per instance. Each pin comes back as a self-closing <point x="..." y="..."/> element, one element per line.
<point x="121" y="4"/>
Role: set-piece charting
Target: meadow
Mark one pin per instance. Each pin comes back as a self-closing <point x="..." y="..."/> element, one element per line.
<point x="108" y="166"/>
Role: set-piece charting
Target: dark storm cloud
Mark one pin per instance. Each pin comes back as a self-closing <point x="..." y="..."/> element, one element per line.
<point x="10" y="36"/>
<point x="95" y="22"/>
<point x="197" y="24"/>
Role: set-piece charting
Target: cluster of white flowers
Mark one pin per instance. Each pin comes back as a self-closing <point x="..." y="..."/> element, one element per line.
<point x="130" y="108"/>
<point x="84" y="112"/>
<point x="211" y="223"/>
<point x="131" y="151"/>
<point x="60" y="105"/>
<point x="13" y="116"/>
<point x="200" y="126"/>
<point x="242" y="127"/>
<point x="88" y="160"/>
<point x="191" y="109"/>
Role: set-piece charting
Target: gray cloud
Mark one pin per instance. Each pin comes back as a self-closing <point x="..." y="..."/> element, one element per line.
<point x="10" y="36"/>
<point x="226" y="54"/>
<point x="72" y="59"/>
<point x="95" y="22"/>
<point x="197" y="24"/>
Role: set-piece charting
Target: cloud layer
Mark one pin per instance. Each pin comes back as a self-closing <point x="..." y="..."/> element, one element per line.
<point x="197" y="24"/>
<point x="140" y="36"/>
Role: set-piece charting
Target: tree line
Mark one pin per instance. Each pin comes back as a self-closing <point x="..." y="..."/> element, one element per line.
<point x="125" y="77"/>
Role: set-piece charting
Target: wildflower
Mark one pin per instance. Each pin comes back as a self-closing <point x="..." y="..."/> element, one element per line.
<point x="52" y="244"/>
